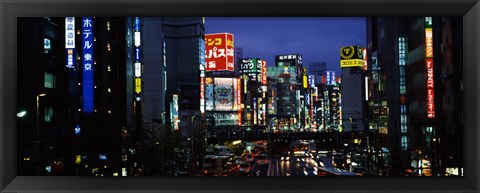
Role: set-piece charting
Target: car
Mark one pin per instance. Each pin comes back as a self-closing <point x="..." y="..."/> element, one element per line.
<point x="302" y="164"/>
<point x="308" y="171"/>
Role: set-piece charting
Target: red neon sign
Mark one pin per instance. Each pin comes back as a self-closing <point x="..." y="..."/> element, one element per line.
<point x="430" y="89"/>
<point x="264" y="72"/>
<point x="219" y="52"/>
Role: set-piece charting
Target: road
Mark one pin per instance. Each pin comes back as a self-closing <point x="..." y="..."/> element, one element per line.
<point x="292" y="167"/>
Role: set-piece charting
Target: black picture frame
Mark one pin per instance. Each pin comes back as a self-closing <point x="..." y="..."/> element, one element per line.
<point x="11" y="9"/>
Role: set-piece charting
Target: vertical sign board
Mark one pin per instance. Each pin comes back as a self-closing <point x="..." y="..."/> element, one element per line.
<point x="429" y="67"/>
<point x="264" y="72"/>
<point x="70" y="32"/>
<point x="174" y="111"/>
<point x="87" y="61"/>
<point x="70" y="59"/>
<point x="305" y="78"/>
<point x="430" y="89"/>
<point x="70" y="40"/>
<point x="365" y="59"/>
<point x="202" y="95"/>
<point x="239" y="100"/>
<point x="254" y="111"/>
<point x="219" y="52"/>
<point x="311" y="81"/>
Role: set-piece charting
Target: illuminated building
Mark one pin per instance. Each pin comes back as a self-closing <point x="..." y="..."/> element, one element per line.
<point x="253" y="73"/>
<point x="74" y="68"/>
<point x="288" y="75"/>
<point x="422" y="69"/>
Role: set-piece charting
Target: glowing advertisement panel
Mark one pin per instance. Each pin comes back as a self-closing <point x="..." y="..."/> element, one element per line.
<point x="429" y="67"/>
<point x="209" y="94"/>
<point x="174" y="112"/>
<point x="330" y="77"/>
<point x="249" y="66"/>
<point x="202" y="95"/>
<point x="224" y="94"/>
<point x="352" y="56"/>
<point x="365" y="59"/>
<point x="70" y="58"/>
<point x="430" y="89"/>
<point x="70" y="32"/>
<point x="311" y="81"/>
<point x="264" y="72"/>
<point x="239" y="100"/>
<point x="138" y="85"/>
<point x="219" y="53"/>
<point x="87" y="61"/>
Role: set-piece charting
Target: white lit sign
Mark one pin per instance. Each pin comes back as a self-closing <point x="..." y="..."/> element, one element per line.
<point x="138" y="69"/>
<point x="70" y="32"/>
<point x="366" y="88"/>
<point x="137" y="39"/>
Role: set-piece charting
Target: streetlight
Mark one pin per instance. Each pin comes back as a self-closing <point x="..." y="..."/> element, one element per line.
<point x="41" y="94"/>
<point x="21" y="114"/>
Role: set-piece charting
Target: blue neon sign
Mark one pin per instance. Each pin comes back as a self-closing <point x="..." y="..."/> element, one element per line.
<point x="87" y="61"/>
<point x="136" y="25"/>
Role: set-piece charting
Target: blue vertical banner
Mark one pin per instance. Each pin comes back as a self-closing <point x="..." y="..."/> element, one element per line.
<point x="136" y="25"/>
<point x="87" y="63"/>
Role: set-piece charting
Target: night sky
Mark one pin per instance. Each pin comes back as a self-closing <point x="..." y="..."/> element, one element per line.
<point x="317" y="39"/>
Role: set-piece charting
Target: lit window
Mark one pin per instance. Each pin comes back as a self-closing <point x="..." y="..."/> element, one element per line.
<point x="48" y="169"/>
<point x="102" y="156"/>
<point x="49" y="80"/>
<point x="78" y="130"/>
<point x="47" y="44"/>
<point x="48" y="114"/>
<point x="404" y="143"/>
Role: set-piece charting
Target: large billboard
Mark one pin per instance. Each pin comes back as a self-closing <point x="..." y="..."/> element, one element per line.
<point x="289" y="59"/>
<point x="224" y="94"/>
<point x="219" y="52"/>
<point x="87" y="61"/>
<point x="351" y="56"/>
<point x="249" y="65"/>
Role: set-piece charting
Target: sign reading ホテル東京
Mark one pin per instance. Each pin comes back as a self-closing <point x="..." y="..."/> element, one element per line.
<point x="87" y="61"/>
<point x="219" y="52"/>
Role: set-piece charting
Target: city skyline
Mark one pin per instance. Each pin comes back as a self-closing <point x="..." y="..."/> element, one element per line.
<point x="265" y="37"/>
<point x="135" y="96"/>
